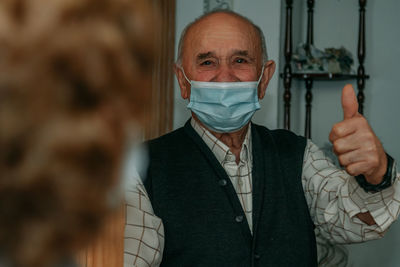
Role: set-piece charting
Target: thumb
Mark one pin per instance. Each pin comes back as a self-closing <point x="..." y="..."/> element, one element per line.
<point x="349" y="102"/>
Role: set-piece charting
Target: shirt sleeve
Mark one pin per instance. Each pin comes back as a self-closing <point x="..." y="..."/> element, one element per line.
<point x="334" y="199"/>
<point x="144" y="232"/>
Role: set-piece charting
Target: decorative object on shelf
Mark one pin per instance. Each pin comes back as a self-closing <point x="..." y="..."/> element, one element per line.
<point x="339" y="60"/>
<point x="309" y="59"/>
<point x="210" y="5"/>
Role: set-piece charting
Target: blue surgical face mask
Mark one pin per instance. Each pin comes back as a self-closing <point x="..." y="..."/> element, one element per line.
<point x="224" y="107"/>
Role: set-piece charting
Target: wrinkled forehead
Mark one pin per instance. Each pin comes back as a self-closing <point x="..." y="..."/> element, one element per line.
<point x="221" y="34"/>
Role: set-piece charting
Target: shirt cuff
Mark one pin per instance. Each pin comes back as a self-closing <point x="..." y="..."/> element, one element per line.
<point x="383" y="205"/>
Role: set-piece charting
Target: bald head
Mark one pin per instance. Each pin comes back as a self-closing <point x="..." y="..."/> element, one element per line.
<point x="222" y="18"/>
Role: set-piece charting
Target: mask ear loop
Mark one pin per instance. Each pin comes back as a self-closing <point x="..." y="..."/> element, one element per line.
<point x="185" y="75"/>
<point x="259" y="79"/>
<point x="183" y="71"/>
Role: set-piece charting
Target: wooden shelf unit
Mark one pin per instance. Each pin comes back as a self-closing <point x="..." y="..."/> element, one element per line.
<point x="288" y="75"/>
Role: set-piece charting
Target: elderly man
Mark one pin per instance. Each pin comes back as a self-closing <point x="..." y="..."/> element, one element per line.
<point x="227" y="192"/>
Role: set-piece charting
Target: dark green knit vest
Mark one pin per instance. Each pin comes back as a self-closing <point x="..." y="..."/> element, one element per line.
<point x="203" y="219"/>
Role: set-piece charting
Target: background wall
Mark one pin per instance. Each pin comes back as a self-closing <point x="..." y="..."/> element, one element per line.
<point x="336" y="24"/>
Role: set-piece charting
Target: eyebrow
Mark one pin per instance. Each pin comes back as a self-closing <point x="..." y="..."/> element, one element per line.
<point x="243" y="53"/>
<point x="202" y="56"/>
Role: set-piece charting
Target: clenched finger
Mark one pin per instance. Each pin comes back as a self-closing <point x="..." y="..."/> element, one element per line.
<point x="351" y="157"/>
<point x="344" y="128"/>
<point x="361" y="167"/>
<point x="346" y="144"/>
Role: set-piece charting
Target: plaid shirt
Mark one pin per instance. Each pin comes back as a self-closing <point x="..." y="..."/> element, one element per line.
<point x="333" y="197"/>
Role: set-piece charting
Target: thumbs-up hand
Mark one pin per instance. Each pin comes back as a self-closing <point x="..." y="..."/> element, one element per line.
<point x="355" y="144"/>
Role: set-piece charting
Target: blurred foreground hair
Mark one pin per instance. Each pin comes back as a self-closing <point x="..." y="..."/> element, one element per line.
<point x="74" y="74"/>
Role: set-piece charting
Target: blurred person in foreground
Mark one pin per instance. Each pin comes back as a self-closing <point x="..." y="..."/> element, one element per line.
<point x="223" y="191"/>
<point x="74" y="78"/>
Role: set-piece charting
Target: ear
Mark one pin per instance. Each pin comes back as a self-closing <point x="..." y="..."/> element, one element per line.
<point x="183" y="83"/>
<point x="269" y="69"/>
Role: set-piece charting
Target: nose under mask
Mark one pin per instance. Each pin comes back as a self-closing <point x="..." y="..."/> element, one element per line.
<point x="224" y="106"/>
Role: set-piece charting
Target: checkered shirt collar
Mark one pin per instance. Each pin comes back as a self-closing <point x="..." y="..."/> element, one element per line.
<point x="220" y="150"/>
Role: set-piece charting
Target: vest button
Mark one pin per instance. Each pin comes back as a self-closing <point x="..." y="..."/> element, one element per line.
<point x="257" y="256"/>
<point x="222" y="182"/>
<point x="239" y="218"/>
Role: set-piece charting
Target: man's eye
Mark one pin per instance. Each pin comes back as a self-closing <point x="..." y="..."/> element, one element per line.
<point x="206" y="63"/>
<point x="240" y="60"/>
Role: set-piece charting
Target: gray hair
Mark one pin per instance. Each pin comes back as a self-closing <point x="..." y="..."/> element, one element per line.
<point x="186" y="29"/>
